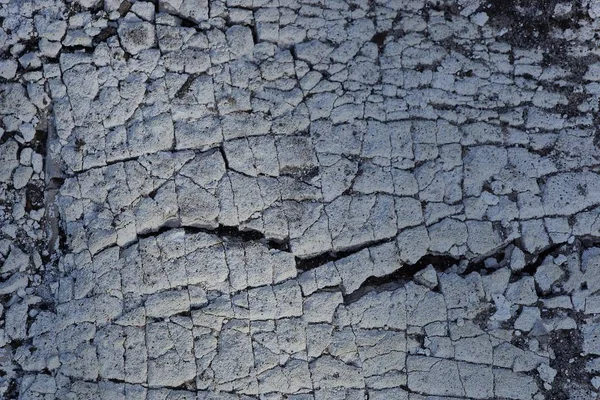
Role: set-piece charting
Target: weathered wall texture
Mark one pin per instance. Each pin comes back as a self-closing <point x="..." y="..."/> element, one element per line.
<point x="299" y="199"/>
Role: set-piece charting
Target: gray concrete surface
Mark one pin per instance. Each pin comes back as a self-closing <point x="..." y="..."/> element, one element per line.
<point x="299" y="199"/>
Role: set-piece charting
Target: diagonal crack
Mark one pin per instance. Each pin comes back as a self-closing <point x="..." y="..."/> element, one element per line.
<point x="400" y="276"/>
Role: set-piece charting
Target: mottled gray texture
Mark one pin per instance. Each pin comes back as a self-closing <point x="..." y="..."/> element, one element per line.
<point x="392" y="199"/>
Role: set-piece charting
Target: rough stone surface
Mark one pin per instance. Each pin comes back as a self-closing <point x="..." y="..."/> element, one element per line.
<point x="299" y="200"/>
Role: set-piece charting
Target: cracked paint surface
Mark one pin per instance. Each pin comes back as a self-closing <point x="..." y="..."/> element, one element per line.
<point x="299" y="199"/>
